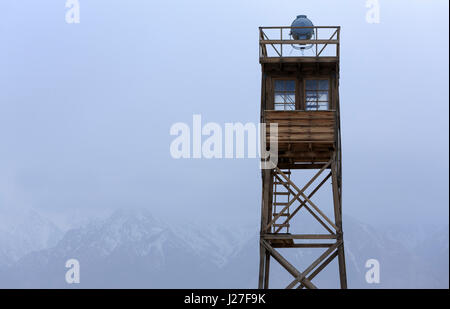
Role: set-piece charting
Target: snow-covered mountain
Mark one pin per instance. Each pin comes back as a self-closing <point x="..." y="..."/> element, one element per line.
<point x="128" y="249"/>
<point x="23" y="231"/>
<point x="132" y="249"/>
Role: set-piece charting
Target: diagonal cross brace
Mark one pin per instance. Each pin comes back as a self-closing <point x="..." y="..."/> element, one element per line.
<point x="303" y="204"/>
<point x="300" y="192"/>
<point x="314" y="264"/>
<point x="288" y="266"/>
<point x="319" y="269"/>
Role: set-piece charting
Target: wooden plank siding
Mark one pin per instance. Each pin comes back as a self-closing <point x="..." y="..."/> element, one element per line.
<point x="302" y="126"/>
<point x="303" y="136"/>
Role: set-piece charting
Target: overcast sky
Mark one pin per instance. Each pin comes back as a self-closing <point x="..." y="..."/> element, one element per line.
<point x="85" y="109"/>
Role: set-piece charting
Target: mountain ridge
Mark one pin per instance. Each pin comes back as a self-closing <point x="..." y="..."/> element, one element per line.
<point x="133" y="249"/>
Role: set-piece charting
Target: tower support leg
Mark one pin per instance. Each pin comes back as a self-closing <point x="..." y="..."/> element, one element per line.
<point x="271" y="238"/>
<point x="264" y="262"/>
<point x="337" y="199"/>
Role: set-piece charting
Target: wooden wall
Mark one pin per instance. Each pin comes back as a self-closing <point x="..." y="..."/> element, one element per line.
<point x="302" y="126"/>
<point x="298" y="72"/>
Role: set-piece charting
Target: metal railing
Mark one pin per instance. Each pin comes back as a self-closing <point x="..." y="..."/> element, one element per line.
<point x="278" y="42"/>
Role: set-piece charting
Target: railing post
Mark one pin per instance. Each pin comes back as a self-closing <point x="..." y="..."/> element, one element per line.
<point x="281" y="38"/>
<point x="260" y="38"/>
<point x="338" y="48"/>
<point x="317" y="37"/>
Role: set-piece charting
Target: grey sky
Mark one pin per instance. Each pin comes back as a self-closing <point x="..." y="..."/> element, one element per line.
<point x="85" y="109"/>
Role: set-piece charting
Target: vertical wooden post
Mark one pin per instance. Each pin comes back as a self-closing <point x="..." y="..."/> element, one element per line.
<point x="267" y="179"/>
<point x="338" y="221"/>
<point x="266" y="270"/>
<point x="262" y="253"/>
<point x="281" y="45"/>
<point x="338" y="49"/>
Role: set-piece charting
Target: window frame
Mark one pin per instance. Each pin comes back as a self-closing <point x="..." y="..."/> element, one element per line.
<point x="296" y="88"/>
<point x="329" y="91"/>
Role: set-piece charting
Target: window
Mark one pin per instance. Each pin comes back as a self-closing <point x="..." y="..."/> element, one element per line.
<point x="284" y="95"/>
<point x="317" y="94"/>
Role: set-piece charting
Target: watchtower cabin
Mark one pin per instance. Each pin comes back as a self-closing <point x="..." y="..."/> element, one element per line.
<point x="300" y="94"/>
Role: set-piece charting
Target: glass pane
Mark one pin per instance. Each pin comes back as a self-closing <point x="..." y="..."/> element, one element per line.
<point x="322" y="95"/>
<point x="311" y="95"/>
<point x="279" y="107"/>
<point x="290" y="85"/>
<point x="290" y="97"/>
<point x="311" y="84"/>
<point x="279" y="85"/>
<point x="290" y="106"/>
<point x="279" y="97"/>
<point x="323" y="84"/>
<point x="311" y="106"/>
<point x="323" y="106"/>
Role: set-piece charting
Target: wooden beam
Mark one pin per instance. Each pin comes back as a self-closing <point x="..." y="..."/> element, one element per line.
<point x="288" y="266"/>
<point x="298" y="236"/>
<point x="318" y="54"/>
<point x="319" y="269"/>
<point x="315" y="245"/>
<point x="289" y="27"/>
<point x="314" y="264"/>
<point x="300" y="42"/>
<point x="300" y="192"/>
<point x="303" y="203"/>
<point x="288" y="59"/>
<point x="302" y="166"/>
<point x="266" y="185"/>
<point x="338" y="218"/>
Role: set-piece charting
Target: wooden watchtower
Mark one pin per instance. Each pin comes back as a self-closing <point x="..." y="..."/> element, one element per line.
<point x="300" y="93"/>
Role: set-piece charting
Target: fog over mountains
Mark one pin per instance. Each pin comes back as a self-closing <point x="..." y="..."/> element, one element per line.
<point x="134" y="249"/>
